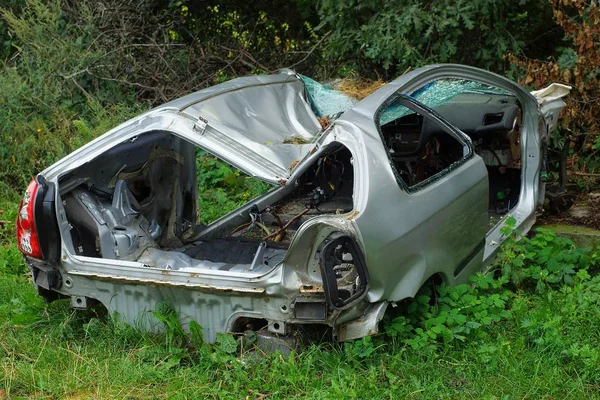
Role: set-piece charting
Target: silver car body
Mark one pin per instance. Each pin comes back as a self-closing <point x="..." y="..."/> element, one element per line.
<point x="405" y="236"/>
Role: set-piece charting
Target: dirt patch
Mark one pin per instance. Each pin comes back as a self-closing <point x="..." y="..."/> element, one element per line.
<point x="585" y="212"/>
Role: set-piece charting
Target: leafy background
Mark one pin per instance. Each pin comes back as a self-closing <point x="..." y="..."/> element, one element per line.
<point x="70" y="70"/>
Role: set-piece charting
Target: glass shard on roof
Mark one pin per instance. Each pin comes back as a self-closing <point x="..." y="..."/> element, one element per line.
<point x="325" y="100"/>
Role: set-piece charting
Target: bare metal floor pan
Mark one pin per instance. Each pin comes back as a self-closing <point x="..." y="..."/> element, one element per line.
<point x="231" y="251"/>
<point x="229" y="256"/>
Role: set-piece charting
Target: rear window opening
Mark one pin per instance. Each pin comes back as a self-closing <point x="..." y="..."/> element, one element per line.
<point x="168" y="204"/>
<point x="222" y="188"/>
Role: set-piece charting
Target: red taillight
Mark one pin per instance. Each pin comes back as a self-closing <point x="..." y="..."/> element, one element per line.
<point x="27" y="237"/>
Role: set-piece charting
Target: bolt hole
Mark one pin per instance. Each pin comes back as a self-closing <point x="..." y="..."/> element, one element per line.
<point x="68" y="282"/>
<point x="276" y="326"/>
<point x="283" y="308"/>
<point x="78" y="300"/>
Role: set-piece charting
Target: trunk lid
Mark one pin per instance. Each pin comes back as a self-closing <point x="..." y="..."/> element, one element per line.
<point x="264" y="124"/>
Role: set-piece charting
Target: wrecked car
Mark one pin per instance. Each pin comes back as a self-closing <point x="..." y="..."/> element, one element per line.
<point x="364" y="201"/>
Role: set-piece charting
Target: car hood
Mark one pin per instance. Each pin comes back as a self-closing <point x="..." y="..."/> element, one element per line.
<point x="262" y="124"/>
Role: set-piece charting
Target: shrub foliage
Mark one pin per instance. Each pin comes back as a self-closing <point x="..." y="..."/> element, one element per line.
<point x="399" y="34"/>
<point x="575" y="63"/>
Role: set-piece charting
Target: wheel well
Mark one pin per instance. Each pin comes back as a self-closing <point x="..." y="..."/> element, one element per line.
<point x="243" y="324"/>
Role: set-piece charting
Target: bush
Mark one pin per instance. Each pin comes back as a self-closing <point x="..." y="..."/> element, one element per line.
<point x="48" y="106"/>
<point x="82" y="64"/>
<point x="399" y="34"/>
<point x="575" y="63"/>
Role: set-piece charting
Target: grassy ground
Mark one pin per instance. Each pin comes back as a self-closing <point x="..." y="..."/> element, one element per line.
<point x="504" y="336"/>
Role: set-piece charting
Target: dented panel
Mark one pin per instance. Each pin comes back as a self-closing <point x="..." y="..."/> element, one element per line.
<point x="339" y="237"/>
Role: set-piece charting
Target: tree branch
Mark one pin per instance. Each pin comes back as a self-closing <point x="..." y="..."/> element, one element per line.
<point x="312" y="50"/>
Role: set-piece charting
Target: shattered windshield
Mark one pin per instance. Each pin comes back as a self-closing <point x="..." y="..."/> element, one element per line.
<point x="443" y="91"/>
<point x="440" y="92"/>
<point x="325" y="100"/>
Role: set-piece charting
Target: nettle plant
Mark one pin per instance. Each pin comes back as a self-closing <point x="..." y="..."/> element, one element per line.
<point x="443" y="316"/>
<point x="544" y="261"/>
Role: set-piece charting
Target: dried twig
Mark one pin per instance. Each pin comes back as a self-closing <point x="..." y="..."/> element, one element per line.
<point x="584" y="174"/>
<point x="310" y="51"/>
<point x="291" y="221"/>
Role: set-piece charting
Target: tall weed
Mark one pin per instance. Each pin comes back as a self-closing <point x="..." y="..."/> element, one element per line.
<point x="49" y="106"/>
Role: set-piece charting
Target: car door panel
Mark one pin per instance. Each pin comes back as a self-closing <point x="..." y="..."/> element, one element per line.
<point x="431" y="231"/>
<point x="436" y="226"/>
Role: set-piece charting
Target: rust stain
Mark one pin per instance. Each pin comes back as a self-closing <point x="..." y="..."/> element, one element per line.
<point x="282" y="182"/>
<point x="165" y="272"/>
<point x="353" y="215"/>
<point x="343" y="331"/>
<point x="311" y="289"/>
<point x="194" y="275"/>
<point x="324" y="122"/>
<point x="201" y="287"/>
<point x="293" y="164"/>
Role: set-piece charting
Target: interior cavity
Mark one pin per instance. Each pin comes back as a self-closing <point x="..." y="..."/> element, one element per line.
<point x="491" y="117"/>
<point x="140" y="202"/>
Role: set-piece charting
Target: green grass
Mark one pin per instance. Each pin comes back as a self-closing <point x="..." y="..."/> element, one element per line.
<point x="223" y="188"/>
<point x="63" y="355"/>
<point x="523" y="341"/>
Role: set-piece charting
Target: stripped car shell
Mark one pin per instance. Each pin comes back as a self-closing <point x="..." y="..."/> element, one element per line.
<point x="127" y="235"/>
